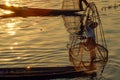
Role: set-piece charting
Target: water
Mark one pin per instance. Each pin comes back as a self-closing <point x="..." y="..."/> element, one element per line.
<point x="41" y="41"/>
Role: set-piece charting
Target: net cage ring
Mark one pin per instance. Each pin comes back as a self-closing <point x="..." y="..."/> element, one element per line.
<point x="76" y="56"/>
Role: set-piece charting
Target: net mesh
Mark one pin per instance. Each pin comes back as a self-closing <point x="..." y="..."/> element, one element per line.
<point x="83" y="55"/>
<point x="70" y="5"/>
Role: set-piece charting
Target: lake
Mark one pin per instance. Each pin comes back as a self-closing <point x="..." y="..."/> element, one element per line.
<point x="41" y="41"/>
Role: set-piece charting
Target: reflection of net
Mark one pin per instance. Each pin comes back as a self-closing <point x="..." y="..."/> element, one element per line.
<point x="79" y="53"/>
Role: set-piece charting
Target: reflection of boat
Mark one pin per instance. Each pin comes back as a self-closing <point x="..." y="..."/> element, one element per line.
<point x="41" y="73"/>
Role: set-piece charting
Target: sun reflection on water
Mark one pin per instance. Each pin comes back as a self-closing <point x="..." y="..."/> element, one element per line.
<point x="11" y="48"/>
<point x="8" y="2"/>
<point x="28" y="67"/>
<point x="10" y="27"/>
<point x="6" y="11"/>
<point x="16" y="43"/>
<point x="19" y="57"/>
<point x="12" y="2"/>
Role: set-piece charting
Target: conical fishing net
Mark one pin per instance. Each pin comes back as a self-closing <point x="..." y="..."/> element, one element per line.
<point x="83" y="53"/>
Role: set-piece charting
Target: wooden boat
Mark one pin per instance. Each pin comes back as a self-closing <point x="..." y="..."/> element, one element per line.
<point x="41" y="73"/>
<point x="26" y="12"/>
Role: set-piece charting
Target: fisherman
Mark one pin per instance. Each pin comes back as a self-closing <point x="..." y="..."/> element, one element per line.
<point x="91" y="43"/>
<point x="89" y="39"/>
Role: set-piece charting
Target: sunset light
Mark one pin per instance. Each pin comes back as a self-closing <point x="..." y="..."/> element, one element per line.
<point x="12" y="2"/>
<point x="6" y="11"/>
<point x="10" y="27"/>
<point x="59" y="39"/>
<point x="8" y="2"/>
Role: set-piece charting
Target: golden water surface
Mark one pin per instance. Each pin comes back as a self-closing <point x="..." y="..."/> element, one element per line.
<point x="41" y="41"/>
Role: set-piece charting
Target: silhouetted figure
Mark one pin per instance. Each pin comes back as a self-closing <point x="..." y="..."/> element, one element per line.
<point x="91" y="43"/>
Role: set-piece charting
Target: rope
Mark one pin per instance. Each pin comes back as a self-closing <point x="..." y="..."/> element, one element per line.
<point x="101" y="28"/>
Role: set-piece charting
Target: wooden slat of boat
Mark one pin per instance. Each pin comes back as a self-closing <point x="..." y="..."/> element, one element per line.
<point x="42" y="72"/>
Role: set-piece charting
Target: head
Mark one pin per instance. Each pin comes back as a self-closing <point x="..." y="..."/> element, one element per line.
<point x="93" y="25"/>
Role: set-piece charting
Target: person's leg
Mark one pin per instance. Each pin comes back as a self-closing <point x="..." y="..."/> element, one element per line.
<point x="90" y="43"/>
